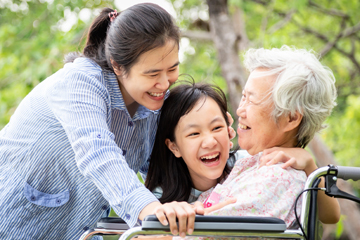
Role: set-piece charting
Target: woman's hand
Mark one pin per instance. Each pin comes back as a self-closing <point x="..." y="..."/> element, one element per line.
<point x="167" y="214"/>
<point x="297" y="158"/>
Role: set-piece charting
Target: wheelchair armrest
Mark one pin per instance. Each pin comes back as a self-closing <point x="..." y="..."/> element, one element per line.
<point x="224" y="223"/>
<point x="114" y="223"/>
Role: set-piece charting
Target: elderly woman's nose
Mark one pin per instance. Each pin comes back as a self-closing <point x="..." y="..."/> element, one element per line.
<point x="240" y="111"/>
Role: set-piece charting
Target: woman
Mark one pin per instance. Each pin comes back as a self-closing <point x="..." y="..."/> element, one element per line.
<point x="194" y="157"/>
<point x="75" y="143"/>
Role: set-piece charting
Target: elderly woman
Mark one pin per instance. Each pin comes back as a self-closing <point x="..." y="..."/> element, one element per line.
<point x="286" y="99"/>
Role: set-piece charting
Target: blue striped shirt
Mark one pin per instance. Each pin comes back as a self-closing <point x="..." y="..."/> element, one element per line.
<point x="70" y="151"/>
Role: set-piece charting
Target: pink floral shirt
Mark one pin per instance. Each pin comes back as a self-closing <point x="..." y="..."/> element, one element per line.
<point x="267" y="191"/>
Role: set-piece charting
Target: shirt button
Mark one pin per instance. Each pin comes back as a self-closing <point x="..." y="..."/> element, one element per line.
<point x="131" y="124"/>
<point x="32" y="198"/>
<point x="98" y="136"/>
<point x="104" y="207"/>
<point x="124" y="152"/>
<point x="58" y="201"/>
<point x="127" y="216"/>
<point x="86" y="228"/>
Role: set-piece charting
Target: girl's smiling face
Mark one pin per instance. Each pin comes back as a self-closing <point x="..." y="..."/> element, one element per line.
<point x="202" y="140"/>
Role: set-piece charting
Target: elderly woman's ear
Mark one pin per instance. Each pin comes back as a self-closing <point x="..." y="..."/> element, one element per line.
<point x="293" y="121"/>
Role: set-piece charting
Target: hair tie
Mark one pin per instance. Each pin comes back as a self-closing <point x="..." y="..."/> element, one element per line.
<point x="113" y="15"/>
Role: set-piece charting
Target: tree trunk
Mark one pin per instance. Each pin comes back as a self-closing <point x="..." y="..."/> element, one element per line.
<point x="226" y="43"/>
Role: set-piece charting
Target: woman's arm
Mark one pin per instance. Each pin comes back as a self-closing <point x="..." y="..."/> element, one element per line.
<point x="299" y="158"/>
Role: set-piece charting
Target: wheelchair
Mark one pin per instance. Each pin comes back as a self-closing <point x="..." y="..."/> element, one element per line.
<point x="247" y="226"/>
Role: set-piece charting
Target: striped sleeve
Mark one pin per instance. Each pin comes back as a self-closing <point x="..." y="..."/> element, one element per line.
<point x="82" y="107"/>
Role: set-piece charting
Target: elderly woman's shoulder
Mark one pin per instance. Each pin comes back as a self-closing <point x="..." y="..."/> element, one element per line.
<point x="289" y="173"/>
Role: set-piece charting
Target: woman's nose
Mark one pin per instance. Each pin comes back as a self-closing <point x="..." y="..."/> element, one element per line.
<point x="164" y="82"/>
<point x="240" y="111"/>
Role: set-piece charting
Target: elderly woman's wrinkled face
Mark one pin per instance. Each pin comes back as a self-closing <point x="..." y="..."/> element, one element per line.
<point x="257" y="129"/>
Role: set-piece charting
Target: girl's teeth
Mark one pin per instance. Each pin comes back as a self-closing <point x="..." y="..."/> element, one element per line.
<point x="210" y="156"/>
<point x="156" y="94"/>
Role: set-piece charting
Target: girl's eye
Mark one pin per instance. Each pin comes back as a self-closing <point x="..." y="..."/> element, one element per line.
<point x="218" y="128"/>
<point x="193" y="134"/>
<point x="155" y="75"/>
<point x="172" y="70"/>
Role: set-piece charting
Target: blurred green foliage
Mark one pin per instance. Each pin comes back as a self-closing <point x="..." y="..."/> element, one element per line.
<point x="36" y="34"/>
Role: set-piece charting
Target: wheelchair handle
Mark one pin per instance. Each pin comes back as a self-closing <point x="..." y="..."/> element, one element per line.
<point x="347" y="173"/>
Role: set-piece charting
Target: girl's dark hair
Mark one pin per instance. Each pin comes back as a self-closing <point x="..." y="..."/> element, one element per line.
<point x="165" y="170"/>
<point x="134" y="31"/>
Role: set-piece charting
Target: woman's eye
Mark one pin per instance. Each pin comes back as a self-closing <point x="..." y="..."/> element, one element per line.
<point x="154" y="75"/>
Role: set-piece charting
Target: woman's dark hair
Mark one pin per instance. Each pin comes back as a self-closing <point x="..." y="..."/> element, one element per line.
<point x="134" y="31"/>
<point x="165" y="170"/>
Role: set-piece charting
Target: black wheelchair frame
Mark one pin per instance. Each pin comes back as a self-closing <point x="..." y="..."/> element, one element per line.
<point x="238" y="227"/>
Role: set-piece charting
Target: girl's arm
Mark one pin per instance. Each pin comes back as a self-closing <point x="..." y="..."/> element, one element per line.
<point x="299" y="158"/>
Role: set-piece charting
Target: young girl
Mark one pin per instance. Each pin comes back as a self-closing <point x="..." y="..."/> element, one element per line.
<point x="195" y="156"/>
<point x="75" y="143"/>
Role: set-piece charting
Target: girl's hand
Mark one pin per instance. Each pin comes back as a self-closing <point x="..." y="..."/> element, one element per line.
<point x="297" y="158"/>
<point x="167" y="214"/>
<point x="231" y="131"/>
<point x="199" y="206"/>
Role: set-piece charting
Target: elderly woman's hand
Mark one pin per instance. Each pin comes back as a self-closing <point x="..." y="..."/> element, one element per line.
<point x="297" y="158"/>
<point x="231" y="131"/>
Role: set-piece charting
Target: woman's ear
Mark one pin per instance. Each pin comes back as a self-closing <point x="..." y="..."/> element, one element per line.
<point x="116" y="67"/>
<point x="173" y="148"/>
<point x="294" y="121"/>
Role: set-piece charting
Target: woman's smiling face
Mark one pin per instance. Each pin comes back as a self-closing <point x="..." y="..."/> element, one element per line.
<point x="150" y="77"/>
<point x="202" y="140"/>
<point x="257" y="129"/>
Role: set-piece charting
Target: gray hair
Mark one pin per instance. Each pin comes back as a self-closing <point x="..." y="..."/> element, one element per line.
<point x="302" y="85"/>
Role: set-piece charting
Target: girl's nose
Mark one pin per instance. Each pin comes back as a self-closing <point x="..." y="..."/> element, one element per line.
<point x="209" y="142"/>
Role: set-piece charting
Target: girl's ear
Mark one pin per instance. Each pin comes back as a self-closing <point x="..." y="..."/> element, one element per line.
<point x="116" y="67"/>
<point x="173" y="148"/>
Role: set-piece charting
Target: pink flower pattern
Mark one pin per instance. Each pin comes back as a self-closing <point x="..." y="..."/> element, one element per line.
<point x="267" y="191"/>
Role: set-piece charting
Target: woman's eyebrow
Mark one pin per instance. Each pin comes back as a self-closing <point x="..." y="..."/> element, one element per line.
<point x="158" y="70"/>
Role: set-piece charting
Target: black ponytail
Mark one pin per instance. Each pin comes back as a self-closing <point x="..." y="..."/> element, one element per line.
<point x="95" y="43"/>
<point x="133" y="32"/>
